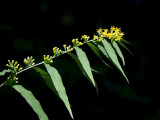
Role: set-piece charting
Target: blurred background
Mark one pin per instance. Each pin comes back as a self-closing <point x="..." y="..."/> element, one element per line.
<point x="33" y="28"/>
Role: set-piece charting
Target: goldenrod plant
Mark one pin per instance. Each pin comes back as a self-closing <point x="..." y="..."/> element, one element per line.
<point x="106" y="41"/>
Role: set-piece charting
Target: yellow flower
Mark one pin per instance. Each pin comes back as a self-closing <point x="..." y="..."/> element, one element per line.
<point x="100" y="30"/>
<point x="80" y="43"/>
<point x="95" y="37"/>
<point x="84" y="36"/>
<point x="20" y="68"/>
<point x="113" y="28"/>
<point x="121" y="34"/>
<point x="99" y="40"/>
<point x="118" y="38"/>
<point x="106" y="30"/>
<point x="16" y="67"/>
<point x="15" y="63"/>
<point x="73" y="40"/>
<point x="117" y="30"/>
<point x="104" y="33"/>
<point x="110" y="35"/>
<point x="48" y="59"/>
<point x="77" y="41"/>
<point x="54" y="48"/>
<point x="12" y="61"/>
<point x="69" y="46"/>
<point x="64" y="45"/>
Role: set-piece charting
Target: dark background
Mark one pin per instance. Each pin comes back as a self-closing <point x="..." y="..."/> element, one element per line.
<point x="33" y="28"/>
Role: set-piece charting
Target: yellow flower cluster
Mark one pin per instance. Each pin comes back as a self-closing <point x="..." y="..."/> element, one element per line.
<point x="11" y="79"/>
<point x="85" y="37"/>
<point x="14" y="66"/>
<point x="48" y="59"/>
<point x="67" y="48"/>
<point x="56" y="51"/>
<point x="96" y="38"/>
<point x="76" y="42"/>
<point x="29" y="61"/>
<point x="114" y="33"/>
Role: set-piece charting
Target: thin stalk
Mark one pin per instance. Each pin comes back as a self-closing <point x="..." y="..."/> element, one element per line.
<point x="30" y="67"/>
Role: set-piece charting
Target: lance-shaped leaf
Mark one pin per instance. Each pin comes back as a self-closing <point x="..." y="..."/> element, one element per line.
<point x="95" y="49"/>
<point x="113" y="57"/>
<point x="125" y="41"/>
<point x="97" y="52"/>
<point x="4" y="72"/>
<point x="115" y="45"/>
<point x="82" y="69"/>
<point x="47" y="79"/>
<point x="85" y="64"/>
<point x="57" y="81"/>
<point x="124" y="46"/>
<point x="32" y="101"/>
<point x="102" y="49"/>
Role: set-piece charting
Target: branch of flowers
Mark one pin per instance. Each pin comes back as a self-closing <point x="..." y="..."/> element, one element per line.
<point x="43" y="61"/>
<point x="38" y="64"/>
<point x="52" y="58"/>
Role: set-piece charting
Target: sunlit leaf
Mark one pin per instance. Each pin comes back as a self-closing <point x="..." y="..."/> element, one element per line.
<point x="82" y="69"/>
<point x="85" y="64"/>
<point x="113" y="57"/>
<point x="4" y="72"/>
<point x="115" y="45"/>
<point x="57" y="81"/>
<point x="32" y="101"/>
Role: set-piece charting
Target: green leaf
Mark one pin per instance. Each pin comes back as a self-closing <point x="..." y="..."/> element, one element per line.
<point x="102" y="49"/>
<point x="32" y="101"/>
<point x="115" y="45"/>
<point x="85" y="64"/>
<point x="78" y="63"/>
<point x="82" y="69"/>
<point x="4" y="72"/>
<point x="124" y="46"/>
<point x="95" y="71"/>
<point x="125" y="41"/>
<point x="95" y="49"/>
<point x="113" y="57"/>
<point x="57" y="81"/>
<point x="47" y="79"/>
<point x="97" y="52"/>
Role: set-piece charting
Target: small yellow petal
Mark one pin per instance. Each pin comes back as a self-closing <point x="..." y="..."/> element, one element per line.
<point x="73" y="40"/>
<point x="12" y="61"/>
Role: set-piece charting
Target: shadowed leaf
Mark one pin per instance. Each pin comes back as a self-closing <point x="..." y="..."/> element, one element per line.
<point x="47" y="79"/>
